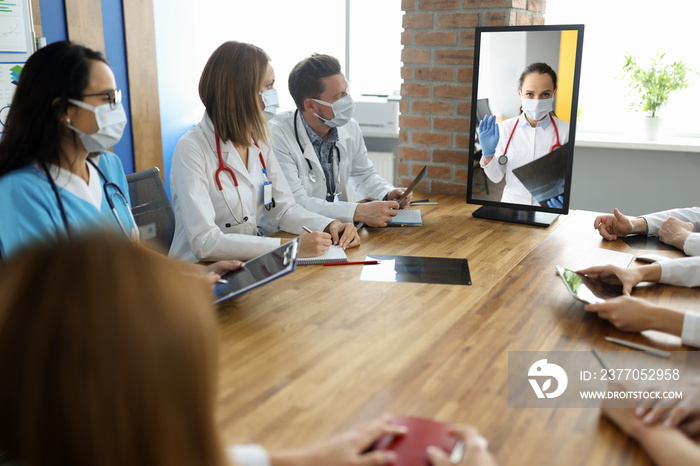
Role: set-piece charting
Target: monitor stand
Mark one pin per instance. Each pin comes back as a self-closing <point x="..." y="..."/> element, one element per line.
<point x="506" y="214"/>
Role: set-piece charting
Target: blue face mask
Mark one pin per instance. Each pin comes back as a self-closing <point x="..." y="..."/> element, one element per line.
<point x="343" y="109"/>
<point x="271" y="102"/>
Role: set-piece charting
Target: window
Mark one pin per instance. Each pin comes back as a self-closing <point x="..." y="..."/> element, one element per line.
<point x="291" y="30"/>
<point x="640" y="28"/>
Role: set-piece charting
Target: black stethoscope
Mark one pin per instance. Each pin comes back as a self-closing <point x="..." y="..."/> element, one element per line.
<point x="312" y="175"/>
<point x="116" y="191"/>
<point x="224" y="168"/>
<point x="503" y="159"/>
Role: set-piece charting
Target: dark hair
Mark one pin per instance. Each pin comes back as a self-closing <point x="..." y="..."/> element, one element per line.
<point x="51" y="76"/>
<point x="229" y="88"/>
<point x="305" y="78"/>
<point x="541" y="68"/>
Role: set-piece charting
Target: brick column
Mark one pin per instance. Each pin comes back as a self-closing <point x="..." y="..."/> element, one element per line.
<point x="438" y="56"/>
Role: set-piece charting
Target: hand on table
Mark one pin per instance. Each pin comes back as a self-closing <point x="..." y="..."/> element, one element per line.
<point x="674" y="232"/>
<point x="347" y="449"/>
<point x="681" y="413"/>
<point x="217" y="269"/>
<point x="314" y="244"/>
<point x="615" y="226"/>
<point x="475" y="449"/>
<point x="376" y="213"/>
<point x="626" y="313"/>
<point x="628" y="278"/>
<point x="343" y="234"/>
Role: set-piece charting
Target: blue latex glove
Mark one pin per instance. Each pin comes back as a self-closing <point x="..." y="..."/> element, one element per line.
<point x="488" y="135"/>
<point x="556" y="202"/>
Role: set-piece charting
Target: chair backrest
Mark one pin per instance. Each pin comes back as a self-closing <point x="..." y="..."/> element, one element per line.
<point x="482" y="109"/>
<point x="151" y="208"/>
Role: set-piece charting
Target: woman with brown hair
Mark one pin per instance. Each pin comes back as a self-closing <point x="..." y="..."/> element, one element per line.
<point x="225" y="178"/>
<point x="122" y="369"/>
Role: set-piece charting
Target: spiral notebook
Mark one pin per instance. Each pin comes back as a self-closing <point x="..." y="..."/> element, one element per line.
<point x="334" y="254"/>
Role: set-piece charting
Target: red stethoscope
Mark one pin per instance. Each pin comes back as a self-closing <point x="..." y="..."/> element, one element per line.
<point x="224" y="168"/>
<point x="503" y="159"/>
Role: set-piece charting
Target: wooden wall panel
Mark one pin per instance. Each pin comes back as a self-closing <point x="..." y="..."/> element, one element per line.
<point x="36" y="15"/>
<point x="139" y="29"/>
<point x="84" y="21"/>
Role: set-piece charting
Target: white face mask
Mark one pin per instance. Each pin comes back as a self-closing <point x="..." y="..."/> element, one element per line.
<point x="536" y="109"/>
<point x="271" y="102"/>
<point x="110" y="121"/>
<point x="343" y="109"/>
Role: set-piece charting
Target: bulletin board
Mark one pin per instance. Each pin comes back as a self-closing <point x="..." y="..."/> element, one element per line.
<point x="17" y="43"/>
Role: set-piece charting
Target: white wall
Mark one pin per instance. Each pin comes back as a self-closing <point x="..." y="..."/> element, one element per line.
<point x="634" y="181"/>
<point x="502" y="58"/>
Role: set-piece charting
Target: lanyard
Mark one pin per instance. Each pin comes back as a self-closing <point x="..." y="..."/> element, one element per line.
<point x="503" y="159"/>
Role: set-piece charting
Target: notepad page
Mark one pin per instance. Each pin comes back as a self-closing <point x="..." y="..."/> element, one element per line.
<point x="334" y="254"/>
<point x="600" y="256"/>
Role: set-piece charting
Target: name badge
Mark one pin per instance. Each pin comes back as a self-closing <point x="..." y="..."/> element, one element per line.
<point x="267" y="193"/>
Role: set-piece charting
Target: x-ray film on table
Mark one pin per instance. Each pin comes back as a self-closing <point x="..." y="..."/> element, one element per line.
<point x="412" y="269"/>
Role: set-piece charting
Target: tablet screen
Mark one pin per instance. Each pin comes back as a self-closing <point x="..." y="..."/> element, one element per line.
<point x="586" y="289"/>
<point x="258" y="271"/>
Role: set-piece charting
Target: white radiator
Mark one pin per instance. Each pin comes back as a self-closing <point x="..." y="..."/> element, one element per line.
<point x="384" y="165"/>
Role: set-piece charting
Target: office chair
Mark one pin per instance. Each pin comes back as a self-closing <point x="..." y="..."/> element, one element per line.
<point x="482" y="109"/>
<point x="151" y="208"/>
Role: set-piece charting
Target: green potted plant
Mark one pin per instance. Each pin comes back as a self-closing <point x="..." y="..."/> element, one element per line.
<point x="654" y="85"/>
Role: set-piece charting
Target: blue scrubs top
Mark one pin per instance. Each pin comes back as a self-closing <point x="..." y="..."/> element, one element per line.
<point x="30" y="211"/>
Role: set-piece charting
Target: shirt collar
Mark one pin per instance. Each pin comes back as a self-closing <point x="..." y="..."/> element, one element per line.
<point x="315" y="138"/>
<point x="540" y="124"/>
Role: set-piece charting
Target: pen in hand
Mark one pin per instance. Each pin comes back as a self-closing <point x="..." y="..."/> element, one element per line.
<point x="307" y="229"/>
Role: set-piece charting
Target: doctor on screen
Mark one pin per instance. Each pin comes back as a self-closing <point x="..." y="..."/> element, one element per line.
<point x="525" y="138"/>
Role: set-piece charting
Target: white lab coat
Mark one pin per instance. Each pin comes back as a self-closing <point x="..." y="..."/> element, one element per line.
<point x="355" y="167"/>
<point x="205" y="230"/>
<point x="528" y="144"/>
<point x="684" y="271"/>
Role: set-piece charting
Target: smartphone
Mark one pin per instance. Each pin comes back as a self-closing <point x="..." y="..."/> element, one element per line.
<point x="587" y="289"/>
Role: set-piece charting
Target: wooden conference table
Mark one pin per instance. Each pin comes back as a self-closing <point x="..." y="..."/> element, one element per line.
<point x="319" y="351"/>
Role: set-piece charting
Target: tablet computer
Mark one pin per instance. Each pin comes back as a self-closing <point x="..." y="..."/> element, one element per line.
<point x="416" y="181"/>
<point x="587" y="289"/>
<point x="258" y="271"/>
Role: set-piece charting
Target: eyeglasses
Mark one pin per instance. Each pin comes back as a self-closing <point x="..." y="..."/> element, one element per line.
<point x="114" y="96"/>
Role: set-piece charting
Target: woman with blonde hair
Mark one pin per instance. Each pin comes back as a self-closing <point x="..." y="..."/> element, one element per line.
<point x="225" y="178"/>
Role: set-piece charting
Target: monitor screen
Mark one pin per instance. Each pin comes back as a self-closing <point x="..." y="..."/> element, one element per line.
<point x="523" y="121"/>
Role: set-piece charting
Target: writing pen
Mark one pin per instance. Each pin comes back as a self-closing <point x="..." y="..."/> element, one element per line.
<point x="424" y="203"/>
<point x="645" y="348"/>
<point x="597" y="356"/>
<point x="352" y="262"/>
<point x="307" y="229"/>
<point x="421" y="200"/>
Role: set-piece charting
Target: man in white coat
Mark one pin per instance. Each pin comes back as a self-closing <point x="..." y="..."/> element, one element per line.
<point x="320" y="148"/>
